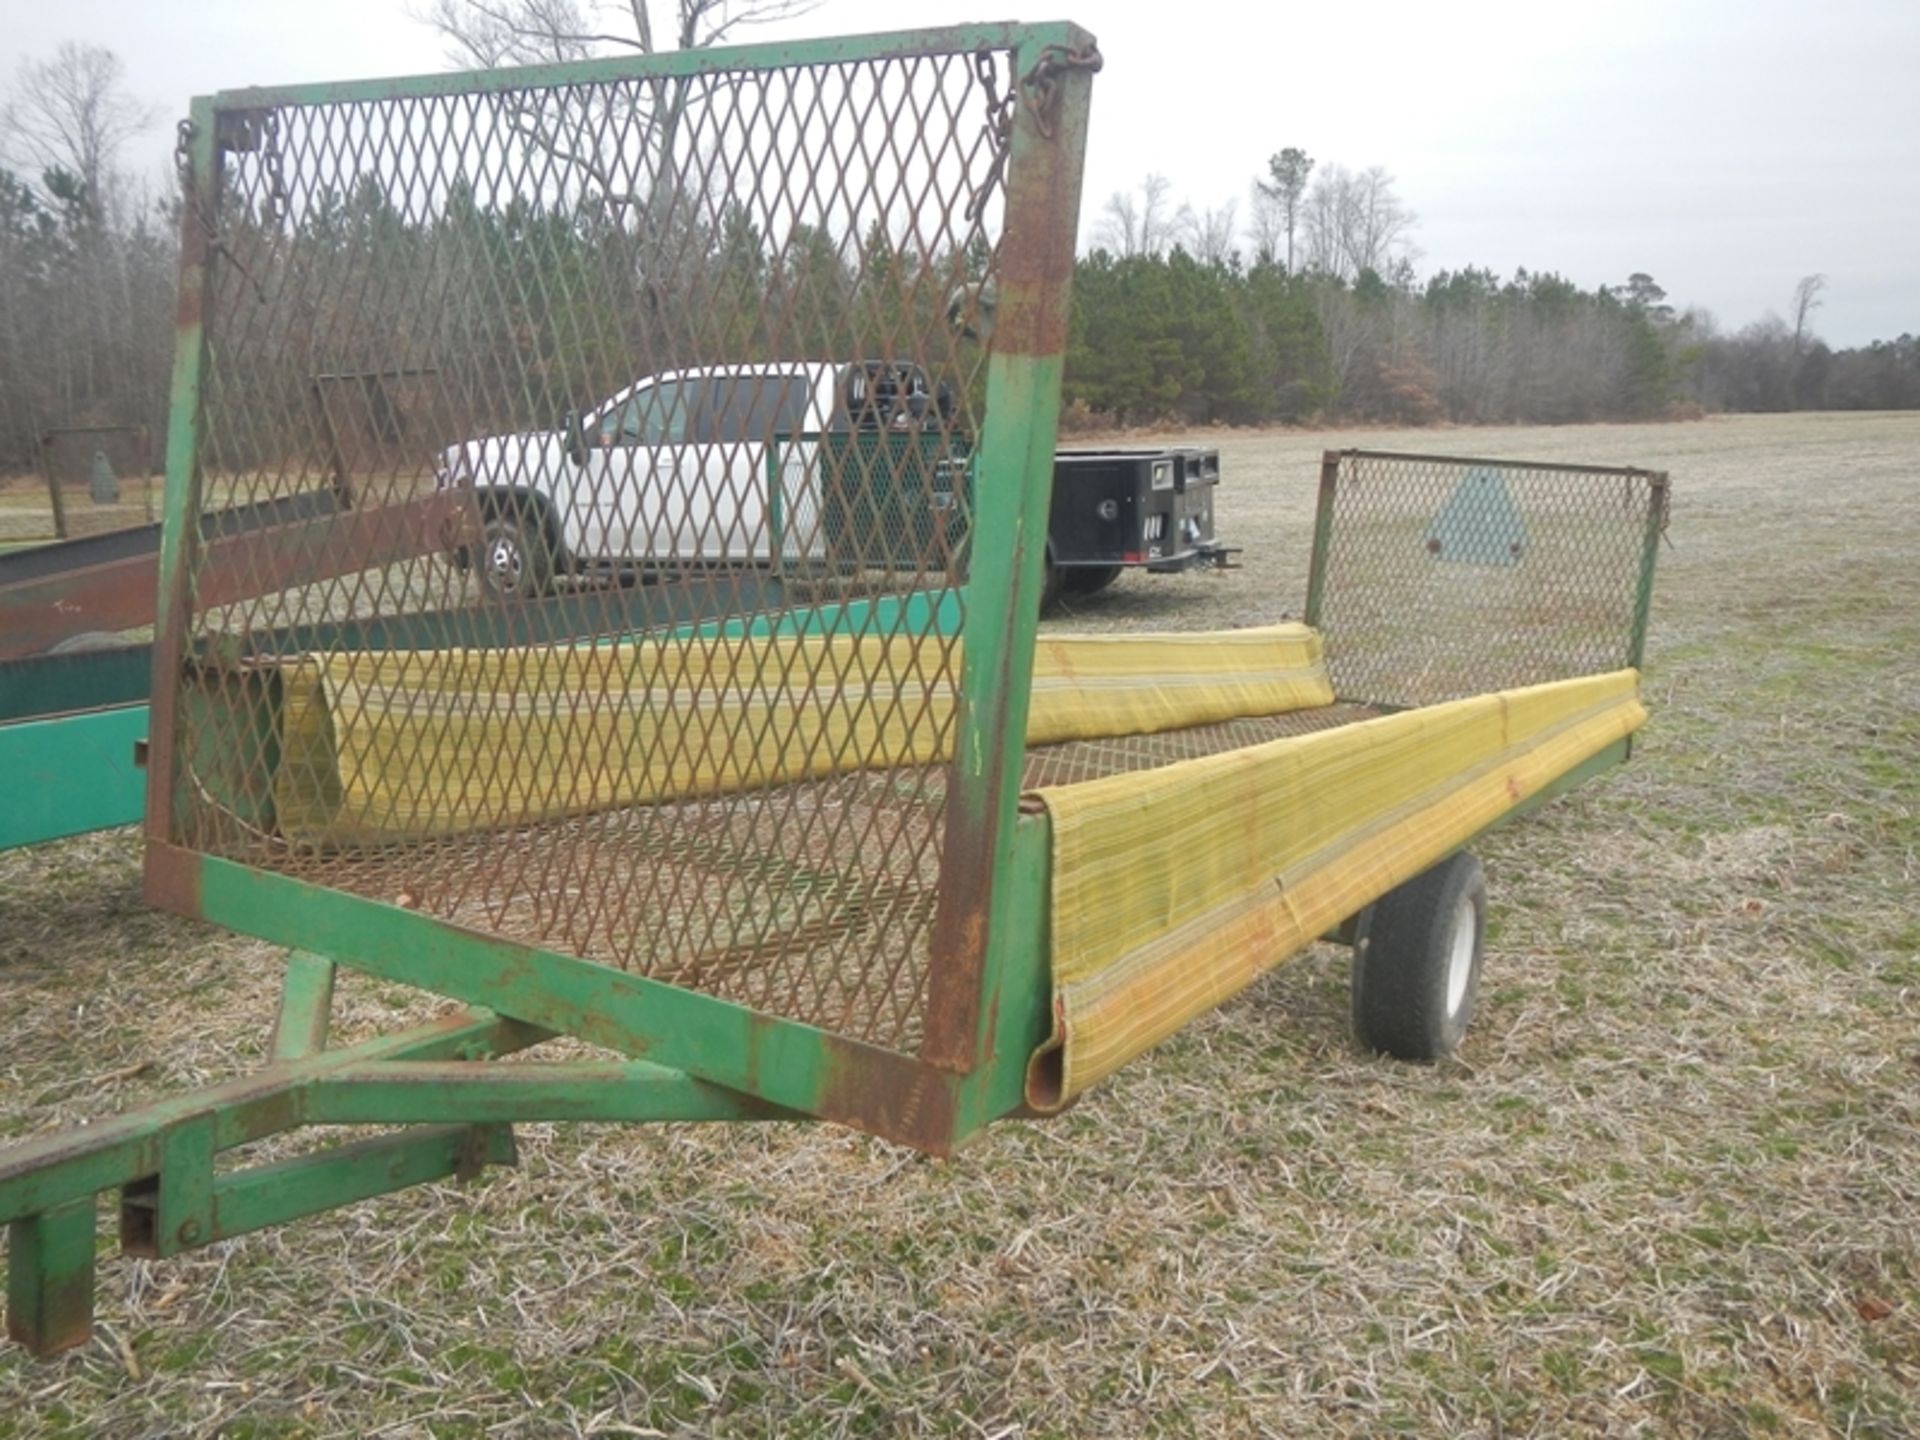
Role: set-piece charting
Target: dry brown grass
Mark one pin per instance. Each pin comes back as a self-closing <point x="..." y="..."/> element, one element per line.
<point x="1672" y="1187"/>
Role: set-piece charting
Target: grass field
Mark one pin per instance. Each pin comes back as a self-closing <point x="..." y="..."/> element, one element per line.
<point x="1671" y="1186"/>
<point x="26" y="509"/>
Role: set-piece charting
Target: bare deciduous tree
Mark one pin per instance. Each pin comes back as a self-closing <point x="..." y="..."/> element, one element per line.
<point x="1210" y="233"/>
<point x="1119" y="227"/>
<point x="86" y="263"/>
<point x="72" y="114"/>
<point x="1142" y="225"/>
<point x="491" y="33"/>
<point x="1266" y="229"/>
<point x="1355" y="222"/>
<point x="488" y="34"/>
<point x="1806" y="300"/>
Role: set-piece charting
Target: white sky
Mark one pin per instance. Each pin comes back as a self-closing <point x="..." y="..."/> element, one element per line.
<point x="1726" y="147"/>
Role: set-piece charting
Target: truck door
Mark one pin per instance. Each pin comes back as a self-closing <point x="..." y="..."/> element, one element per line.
<point x="643" y="477"/>
<point x="743" y="420"/>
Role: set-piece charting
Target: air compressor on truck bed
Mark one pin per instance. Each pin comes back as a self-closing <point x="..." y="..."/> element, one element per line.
<point x="801" y="468"/>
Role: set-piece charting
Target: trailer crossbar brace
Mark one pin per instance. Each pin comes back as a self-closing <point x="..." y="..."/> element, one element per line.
<point x="440" y="1084"/>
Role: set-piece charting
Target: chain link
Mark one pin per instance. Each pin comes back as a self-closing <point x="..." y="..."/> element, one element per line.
<point x="999" y="127"/>
<point x="1039" y="89"/>
<point x="184" y="135"/>
<point x="275" y="209"/>
<point x="1040" y="86"/>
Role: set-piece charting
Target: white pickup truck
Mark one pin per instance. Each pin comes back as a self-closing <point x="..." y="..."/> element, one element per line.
<point x="799" y="465"/>
<point x="671" y="471"/>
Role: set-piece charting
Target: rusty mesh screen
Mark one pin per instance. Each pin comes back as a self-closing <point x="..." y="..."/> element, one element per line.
<point x="100" y="478"/>
<point x="675" y="358"/>
<point x="1436" y="578"/>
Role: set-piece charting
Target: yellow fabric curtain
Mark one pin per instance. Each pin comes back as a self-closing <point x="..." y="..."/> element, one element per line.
<point x="1174" y="888"/>
<point x="385" y="745"/>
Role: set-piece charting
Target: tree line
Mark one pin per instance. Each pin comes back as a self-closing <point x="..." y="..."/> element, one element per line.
<point x="1312" y="310"/>
<point x="87" y="259"/>
<point x="1317" y="312"/>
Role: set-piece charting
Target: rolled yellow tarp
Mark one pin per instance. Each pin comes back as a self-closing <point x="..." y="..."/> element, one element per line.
<point x="1174" y="888"/>
<point x="385" y="745"/>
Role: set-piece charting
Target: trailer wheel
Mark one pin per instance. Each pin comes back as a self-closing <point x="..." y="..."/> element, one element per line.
<point x="1416" y="970"/>
<point x="516" y="557"/>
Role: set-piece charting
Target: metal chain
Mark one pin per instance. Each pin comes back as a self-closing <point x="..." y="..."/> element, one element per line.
<point x="275" y="208"/>
<point x="999" y="125"/>
<point x="184" y="136"/>
<point x="1040" y="86"/>
<point x="1039" y="89"/>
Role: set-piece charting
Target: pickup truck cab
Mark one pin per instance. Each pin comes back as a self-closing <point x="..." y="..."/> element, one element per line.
<point x="800" y="466"/>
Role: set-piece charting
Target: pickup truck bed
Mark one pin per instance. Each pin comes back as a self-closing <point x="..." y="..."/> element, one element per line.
<point x="1119" y="508"/>
<point x="888" y="500"/>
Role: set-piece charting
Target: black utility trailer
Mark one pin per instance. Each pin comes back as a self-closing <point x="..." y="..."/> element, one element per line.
<point x="1116" y="509"/>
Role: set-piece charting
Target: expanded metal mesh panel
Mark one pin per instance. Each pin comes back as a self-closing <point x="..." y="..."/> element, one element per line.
<point x="1438" y="578"/>
<point x="898" y="499"/>
<point x="663" y="360"/>
<point x="784" y="874"/>
<point x="1079" y="760"/>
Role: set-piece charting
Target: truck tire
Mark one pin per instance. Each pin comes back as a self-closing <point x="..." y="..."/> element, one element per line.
<point x="1417" y="968"/>
<point x="1051" y="585"/>
<point x="515" y="559"/>
<point x="1085" y="580"/>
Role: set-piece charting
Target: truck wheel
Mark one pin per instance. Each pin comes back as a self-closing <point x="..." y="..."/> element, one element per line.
<point x="1090" y="579"/>
<point x="1415" y="973"/>
<point x="1050" y="586"/>
<point x="515" y="558"/>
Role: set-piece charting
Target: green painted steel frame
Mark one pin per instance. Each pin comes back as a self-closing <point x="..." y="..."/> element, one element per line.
<point x="831" y="50"/>
<point x="777" y="1062"/>
<point x="988" y="991"/>
<point x="1657" y="512"/>
<point x="439" y="1083"/>
<point x="1322" y="536"/>
<point x="180" y="508"/>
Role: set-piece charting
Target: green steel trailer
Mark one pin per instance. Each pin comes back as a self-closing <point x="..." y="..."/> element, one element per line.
<point x="899" y="861"/>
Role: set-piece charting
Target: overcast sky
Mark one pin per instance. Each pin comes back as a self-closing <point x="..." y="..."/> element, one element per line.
<point x="1725" y="148"/>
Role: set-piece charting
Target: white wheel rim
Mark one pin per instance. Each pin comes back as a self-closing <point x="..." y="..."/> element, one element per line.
<point x="504" y="560"/>
<point x="1460" y="958"/>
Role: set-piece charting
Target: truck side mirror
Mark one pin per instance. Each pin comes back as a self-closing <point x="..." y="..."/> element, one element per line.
<point x="576" y="437"/>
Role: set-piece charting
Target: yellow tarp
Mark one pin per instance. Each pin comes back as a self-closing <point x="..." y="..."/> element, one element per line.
<point x="389" y="745"/>
<point x="1174" y="888"/>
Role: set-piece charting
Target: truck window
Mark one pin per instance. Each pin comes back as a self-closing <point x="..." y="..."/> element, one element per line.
<point x="755" y="408"/>
<point x="660" y="414"/>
